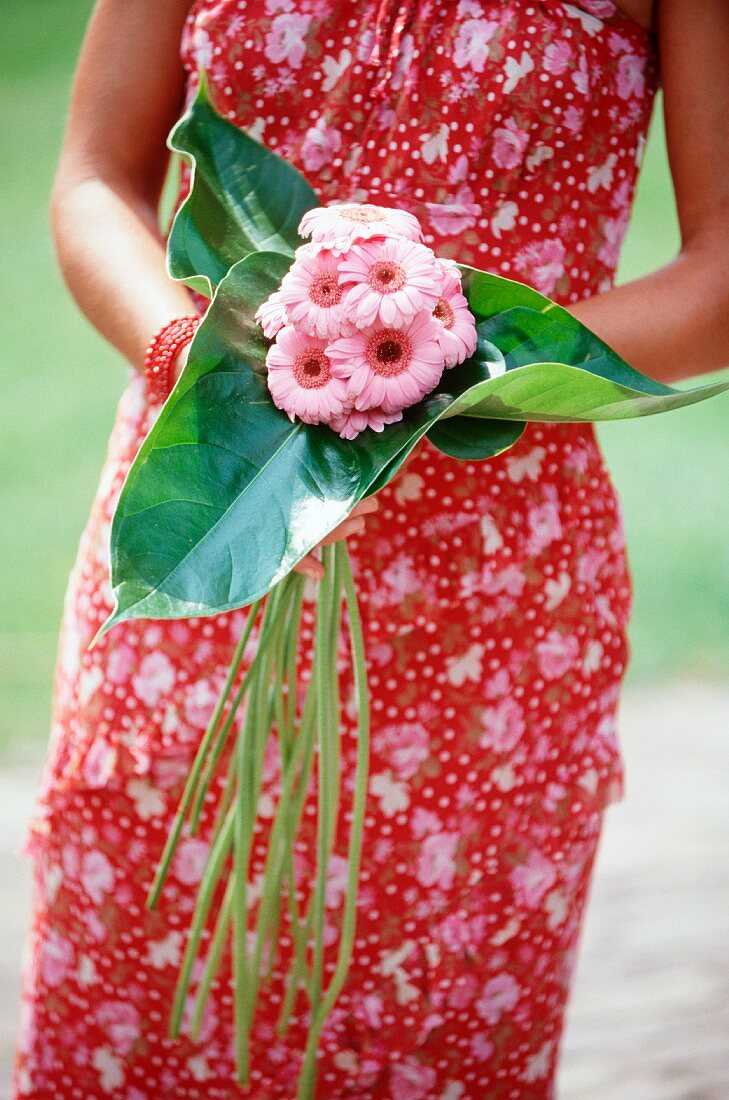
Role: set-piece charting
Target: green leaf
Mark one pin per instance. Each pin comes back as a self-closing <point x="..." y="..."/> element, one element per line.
<point x="243" y="198"/>
<point x="556" y="370"/>
<point x="470" y="439"/>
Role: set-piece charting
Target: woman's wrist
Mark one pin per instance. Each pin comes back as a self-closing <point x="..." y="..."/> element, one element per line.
<point x="164" y="353"/>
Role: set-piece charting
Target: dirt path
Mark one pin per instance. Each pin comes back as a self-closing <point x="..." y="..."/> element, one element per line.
<point x="650" y="1012"/>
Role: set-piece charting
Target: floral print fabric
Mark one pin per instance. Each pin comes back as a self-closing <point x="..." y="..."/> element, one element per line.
<point x="495" y="599"/>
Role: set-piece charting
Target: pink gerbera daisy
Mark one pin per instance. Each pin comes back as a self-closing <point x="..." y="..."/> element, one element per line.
<point x="390" y="368"/>
<point x="271" y="315"/>
<point x="354" y="421"/>
<point x="302" y="380"/>
<point x="338" y="227"/>
<point x="388" y="281"/>
<point x="312" y="295"/>
<point x="457" y="334"/>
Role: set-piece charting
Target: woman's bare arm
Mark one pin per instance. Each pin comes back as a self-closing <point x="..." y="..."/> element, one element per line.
<point x="674" y="323"/>
<point x="127" y="92"/>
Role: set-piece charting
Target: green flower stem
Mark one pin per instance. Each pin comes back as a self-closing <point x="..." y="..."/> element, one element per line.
<point x="200" y="757"/>
<point x="298" y="972"/>
<point x="241" y="851"/>
<point x="244" y="815"/>
<point x="322" y="672"/>
<point x="286" y="722"/>
<point x="279" y="842"/>
<point x="332" y="699"/>
<point x="251" y="749"/>
<point x="226" y="798"/>
<point x="212" y="962"/>
<point x="268" y="628"/>
<point x="307" y="1079"/>
<point x="290" y="667"/>
<point x="213" y="869"/>
<point x="326" y="681"/>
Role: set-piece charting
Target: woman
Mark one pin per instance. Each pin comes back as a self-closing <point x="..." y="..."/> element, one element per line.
<point x="495" y="595"/>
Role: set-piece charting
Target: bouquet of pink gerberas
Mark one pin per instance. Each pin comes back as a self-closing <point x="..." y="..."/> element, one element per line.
<point x="365" y="321"/>
<point x="335" y="341"/>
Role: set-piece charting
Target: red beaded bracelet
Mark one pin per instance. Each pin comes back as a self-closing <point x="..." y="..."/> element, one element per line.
<point x="164" y="347"/>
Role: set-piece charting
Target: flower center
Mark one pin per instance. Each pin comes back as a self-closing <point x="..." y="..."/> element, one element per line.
<point x="388" y="352"/>
<point x="324" y="290"/>
<point x="443" y="312"/>
<point x="364" y="213"/>
<point x="311" y="369"/>
<point x="386" y="276"/>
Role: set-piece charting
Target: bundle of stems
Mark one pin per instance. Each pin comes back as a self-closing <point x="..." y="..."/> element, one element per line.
<point x="267" y="700"/>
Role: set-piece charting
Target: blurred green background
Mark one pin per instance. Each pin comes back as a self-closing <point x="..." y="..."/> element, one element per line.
<point x="61" y="383"/>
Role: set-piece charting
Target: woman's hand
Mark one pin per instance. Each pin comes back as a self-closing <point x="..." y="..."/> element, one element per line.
<point x="354" y="524"/>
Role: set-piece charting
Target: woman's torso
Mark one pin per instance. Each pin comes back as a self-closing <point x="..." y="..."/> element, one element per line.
<point x="514" y="130"/>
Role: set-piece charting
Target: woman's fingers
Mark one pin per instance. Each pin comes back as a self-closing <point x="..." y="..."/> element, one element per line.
<point x="311" y="567"/>
<point x="365" y="508"/>
<point x="350" y="526"/>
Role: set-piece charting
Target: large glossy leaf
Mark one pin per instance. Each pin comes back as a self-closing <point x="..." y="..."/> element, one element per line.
<point x="226" y="495"/>
<point x="555" y="368"/>
<point x="243" y="198"/>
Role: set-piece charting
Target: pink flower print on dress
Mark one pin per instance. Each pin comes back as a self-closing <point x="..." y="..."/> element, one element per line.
<point x="97" y="876"/>
<point x="545" y="525"/>
<point x="321" y="143"/>
<point x="510" y="145"/>
<point x="556" y="654"/>
<point x="463" y="991"/>
<point x="190" y="860"/>
<point x="390" y="368"/>
<point x="311" y="294"/>
<point x="531" y="880"/>
<point x="557" y="57"/>
<point x="503" y="726"/>
<point x="302" y="378"/>
<point x="543" y="264"/>
<point x="337" y="876"/>
<point x="406" y="746"/>
<point x="455" y="216"/>
<point x="200" y="699"/>
<point x="338" y="227"/>
<point x="500" y="994"/>
<point x="388" y="281"/>
<point x="57" y="958"/>
<point x="286" y="40"/>
<point x="155" y="678"/>
<point x="120" y="664"/>
<point x="630" y="77"/>
<point x="410" y="1079"/>
<point x="458" y="933"/>
<point x="437" y="860"/>
<point x="472" y="45"/>
<point x="120" y="1023"/>
<point x="481" y="1047"/>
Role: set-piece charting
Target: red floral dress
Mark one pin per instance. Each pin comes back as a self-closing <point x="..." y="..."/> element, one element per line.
<point x="495" y="597"/>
